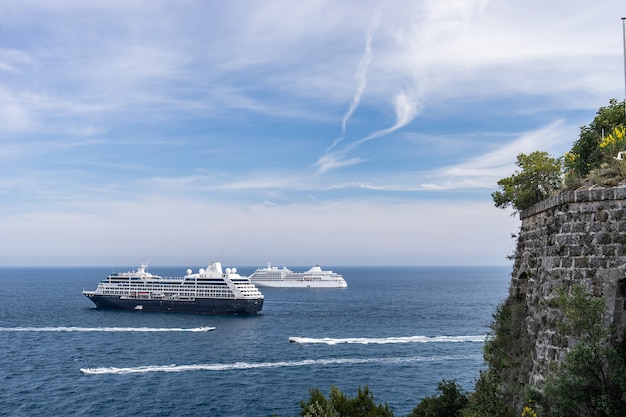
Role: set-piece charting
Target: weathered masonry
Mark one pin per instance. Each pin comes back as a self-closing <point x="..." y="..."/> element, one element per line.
<point x="571" y="238"/>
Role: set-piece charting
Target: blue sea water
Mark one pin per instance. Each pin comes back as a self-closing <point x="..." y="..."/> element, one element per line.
<point x="398" y="330"/>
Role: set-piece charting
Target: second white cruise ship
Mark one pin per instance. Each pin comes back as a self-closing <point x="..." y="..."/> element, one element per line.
<point x="271" y="276"/>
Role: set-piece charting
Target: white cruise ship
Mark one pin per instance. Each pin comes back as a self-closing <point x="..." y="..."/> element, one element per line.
<point x="210" y="291"/>
<point x="271" y="276"/>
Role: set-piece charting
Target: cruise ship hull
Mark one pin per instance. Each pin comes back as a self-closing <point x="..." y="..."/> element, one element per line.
<point x="198" y="305"/>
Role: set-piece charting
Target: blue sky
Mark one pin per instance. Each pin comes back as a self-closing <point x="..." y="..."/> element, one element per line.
<point x="330" y="132"/>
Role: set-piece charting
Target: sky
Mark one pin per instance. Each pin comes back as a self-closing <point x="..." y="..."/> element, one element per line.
<point x="331" y="132"/>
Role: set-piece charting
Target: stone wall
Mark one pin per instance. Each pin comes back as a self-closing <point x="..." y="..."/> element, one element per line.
<point x="574" y="237"/>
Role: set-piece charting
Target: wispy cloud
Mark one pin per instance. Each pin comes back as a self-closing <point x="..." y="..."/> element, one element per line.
<point x="483" y="171"/>
<point x="406" y="105"/>
<point x="361" y="77"/>
<point x="335" y="160"/>
<point x="418" y="36"/>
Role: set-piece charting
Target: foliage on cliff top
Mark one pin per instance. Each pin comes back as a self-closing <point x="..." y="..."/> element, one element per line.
<point x="591" y="161"/>
<point x="587" y="153"/>
<point x="539" y="177"/>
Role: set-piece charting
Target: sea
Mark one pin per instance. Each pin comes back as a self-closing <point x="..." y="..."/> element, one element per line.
<point x="397" y="330"/>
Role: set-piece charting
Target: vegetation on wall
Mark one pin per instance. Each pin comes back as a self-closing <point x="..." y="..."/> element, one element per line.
<point x="591" y="381"/>
<point x="592" y="160"/>
<point x="586" y="153"/>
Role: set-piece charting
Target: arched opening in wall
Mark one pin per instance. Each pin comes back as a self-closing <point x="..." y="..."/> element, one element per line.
<point x="620" y="306"/>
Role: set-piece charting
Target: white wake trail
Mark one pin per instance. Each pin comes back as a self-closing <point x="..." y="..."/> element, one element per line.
<point x="104" y="329"/>
<point x="386" y="340"/>
<point x="281" y="364"/>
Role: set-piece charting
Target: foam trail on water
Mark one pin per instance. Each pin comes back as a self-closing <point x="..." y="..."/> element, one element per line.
<point x="104" y="329"/>
<point x="282" y="364"/>
<point x="386" y="340"/>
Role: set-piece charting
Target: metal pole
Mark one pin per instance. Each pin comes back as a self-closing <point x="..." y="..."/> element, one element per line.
<point x="624" y="35"/>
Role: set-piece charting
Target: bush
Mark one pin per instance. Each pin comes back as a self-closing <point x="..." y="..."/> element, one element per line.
<point x="586" y="153"/>
<point x="450" y="403"/>
<point x="338" y="405"/>
<point x="487" y="400"/>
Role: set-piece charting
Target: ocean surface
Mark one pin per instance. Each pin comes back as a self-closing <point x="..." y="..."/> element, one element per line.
<point x="398" y="330"/>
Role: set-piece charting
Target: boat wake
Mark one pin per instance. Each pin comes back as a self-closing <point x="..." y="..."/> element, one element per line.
<point x="282" y="364"/>
<point x="386" y="340"/>
<point x="104" y="329"/>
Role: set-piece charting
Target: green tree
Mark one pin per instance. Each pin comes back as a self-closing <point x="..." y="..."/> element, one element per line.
<point x="586" y="154"/>
<point x="339" y="405"/>
<point x="449" y="404"/>
<point x="487" y="400"/>
<point x="539" y="177"/>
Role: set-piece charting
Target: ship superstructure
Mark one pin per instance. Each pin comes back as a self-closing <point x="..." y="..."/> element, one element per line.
<point x="271" y="276"/>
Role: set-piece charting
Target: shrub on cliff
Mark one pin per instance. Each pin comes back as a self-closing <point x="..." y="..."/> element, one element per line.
<point x="610" y="171"/>
<point x="500" y="389"/>
<point x="450" y="403"/>
<point x="488" y="399"/>
<point x="540" y="176"/>
<point x="339" y="405"/>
